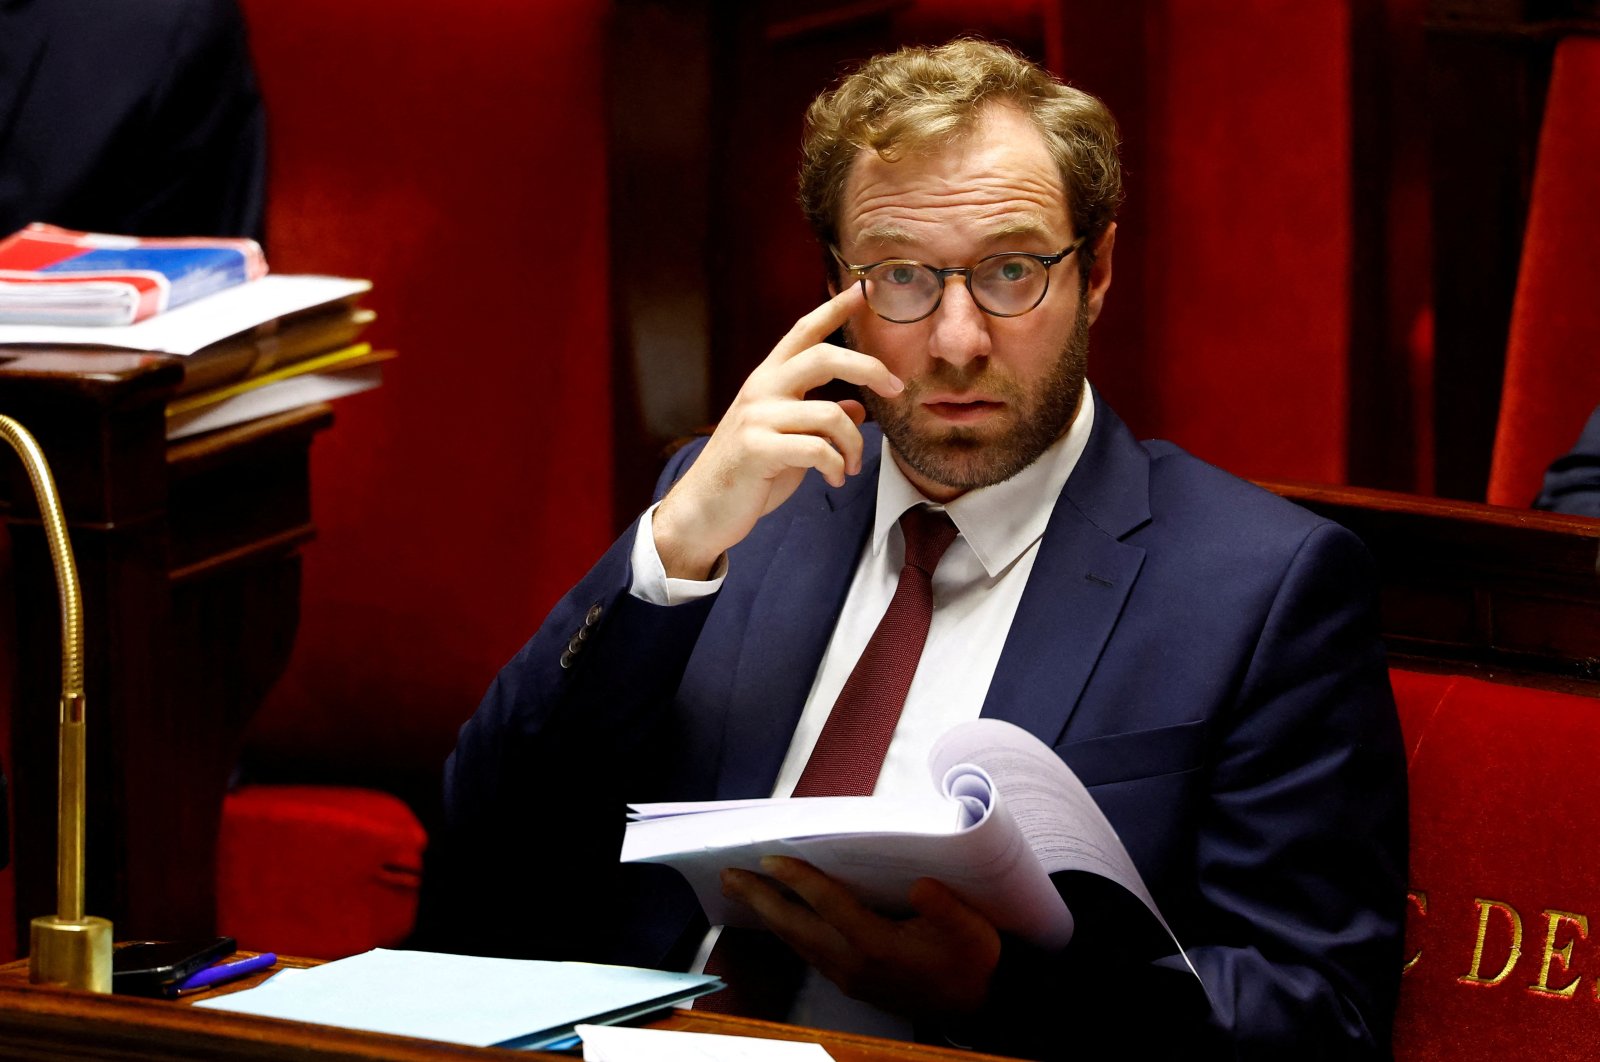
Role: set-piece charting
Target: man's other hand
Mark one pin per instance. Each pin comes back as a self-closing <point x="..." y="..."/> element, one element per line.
<point x="937" y="963"/>
<point x="767" y="440"/>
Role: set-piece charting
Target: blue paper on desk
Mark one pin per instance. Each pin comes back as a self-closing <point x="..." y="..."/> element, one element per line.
<point x="464" y="999"/>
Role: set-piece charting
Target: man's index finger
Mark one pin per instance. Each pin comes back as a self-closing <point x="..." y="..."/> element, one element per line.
<point x="820" y="323"/>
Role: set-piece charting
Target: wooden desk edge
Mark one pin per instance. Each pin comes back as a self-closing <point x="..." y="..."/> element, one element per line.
<point x="53" y="1021"/>
<point x="205" y="450"/>
<point x="1439" y="510"/>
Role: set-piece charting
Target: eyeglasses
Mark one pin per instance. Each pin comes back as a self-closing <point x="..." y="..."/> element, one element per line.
<point x="1008" y="284"/>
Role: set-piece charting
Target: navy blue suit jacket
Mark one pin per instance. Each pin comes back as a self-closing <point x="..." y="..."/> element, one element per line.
<point x="1203" y="654"/>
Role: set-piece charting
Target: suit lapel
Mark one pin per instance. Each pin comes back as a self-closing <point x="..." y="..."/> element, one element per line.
<point x="1075" y="595"/>
<point x="1080" y="582"/>
<point x="791" y="621"/>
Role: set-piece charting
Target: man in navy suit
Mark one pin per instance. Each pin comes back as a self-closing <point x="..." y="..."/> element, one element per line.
<point x="1202" y="654"/>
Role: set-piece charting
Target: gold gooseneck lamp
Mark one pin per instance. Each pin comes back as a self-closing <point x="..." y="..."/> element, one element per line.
<point x="67" y="948"/>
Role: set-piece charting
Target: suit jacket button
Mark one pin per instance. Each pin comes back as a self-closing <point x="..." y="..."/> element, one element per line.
<point x="595" y="611"/>
<point x="566" y="659"/>
<point x="573" y="646"/>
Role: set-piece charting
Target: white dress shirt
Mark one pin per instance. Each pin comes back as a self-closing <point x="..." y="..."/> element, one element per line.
<point x="976" y="589"/>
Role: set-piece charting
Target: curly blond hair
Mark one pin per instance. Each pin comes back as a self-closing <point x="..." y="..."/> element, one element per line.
<point x="919" y="99"/>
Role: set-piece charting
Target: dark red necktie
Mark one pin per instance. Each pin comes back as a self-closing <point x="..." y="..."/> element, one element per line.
<point x="761" y="972"/>
<point x="849" y="752"/>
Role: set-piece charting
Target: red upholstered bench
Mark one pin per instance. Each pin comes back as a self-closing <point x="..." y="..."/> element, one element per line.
<point x="1505" y="866"/>
<point x="319" y="871"/>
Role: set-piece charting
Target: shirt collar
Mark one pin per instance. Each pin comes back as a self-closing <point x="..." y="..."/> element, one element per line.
<point x="1000" y="521"/>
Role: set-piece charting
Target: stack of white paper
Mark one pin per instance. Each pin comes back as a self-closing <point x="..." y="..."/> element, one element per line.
<point x="192" y="327"/>
<point x="608" y="1044"/>
<point x="464" y="999"/>
<point x="1003" y="814"/>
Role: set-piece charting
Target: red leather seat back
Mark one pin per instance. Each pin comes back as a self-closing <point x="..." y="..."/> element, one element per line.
<point x="1505" y="871"/>
<point x="1552" y="379"/>
<point x="455" y="155"/>
<point x="320" y="871"/>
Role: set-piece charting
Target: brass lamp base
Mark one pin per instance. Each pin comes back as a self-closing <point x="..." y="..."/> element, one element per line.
<point x="76" y="954"/>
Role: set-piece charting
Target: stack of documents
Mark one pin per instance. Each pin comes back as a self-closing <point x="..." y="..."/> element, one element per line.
<point x="1005" y="824"/>
<point x="249" y="351"/>
<point x="51" y="275"/>
<point x="604" y="1043"/>
<point x="464" y="999"/>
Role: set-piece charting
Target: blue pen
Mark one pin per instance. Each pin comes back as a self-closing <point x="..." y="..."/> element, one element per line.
<point x="223" y="972"/>
<point x="566" y="1043"/>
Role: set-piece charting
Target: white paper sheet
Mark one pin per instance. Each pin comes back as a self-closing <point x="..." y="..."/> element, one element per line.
<point x="963" y="835"/>
<point x="1014" y="814"/>
<point x="609" y="1043"/>
<point x="461" y="999"/>
<point x="292" y="393"/>
<point x="202" y="322"/>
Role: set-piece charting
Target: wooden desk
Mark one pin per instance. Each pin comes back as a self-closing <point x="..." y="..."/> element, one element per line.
<point x="48" y="1025"/>
<point x="187" y="555"/>
<point x="1510" y="594"/>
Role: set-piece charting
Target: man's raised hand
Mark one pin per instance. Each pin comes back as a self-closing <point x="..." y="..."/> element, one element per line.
<point x="769" y="437"/>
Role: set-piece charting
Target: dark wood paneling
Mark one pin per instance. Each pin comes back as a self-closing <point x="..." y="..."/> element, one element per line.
<point x="660" y="154"/>
<point x="1390" y="252"/>
<point x="187" y="558"/>
<point x="46" y="1025"/>
<point x="1488" y="70"/>
<point x="1477" y="587"/>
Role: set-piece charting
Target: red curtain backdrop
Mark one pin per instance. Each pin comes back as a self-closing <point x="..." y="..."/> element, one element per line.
<point x="1227" y="328"/>
<point x="454" y="154"/>
<point x="1246" y="185"/>
<point x="1552" y="380"/>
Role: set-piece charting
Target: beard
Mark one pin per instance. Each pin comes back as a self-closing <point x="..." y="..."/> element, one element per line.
<point x="968" y="457"/>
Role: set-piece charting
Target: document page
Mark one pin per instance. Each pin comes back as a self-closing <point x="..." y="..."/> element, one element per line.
<point x="1002" y="815"/>
<point x="613" y="1043"/>
<point x="1064" y="828"/>
<point x="963" y="835"/>
<point x="463" y="999"/>
<point x="190" y="327"/>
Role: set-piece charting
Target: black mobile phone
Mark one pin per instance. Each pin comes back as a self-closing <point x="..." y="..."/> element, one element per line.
<point x="149" y="967"/>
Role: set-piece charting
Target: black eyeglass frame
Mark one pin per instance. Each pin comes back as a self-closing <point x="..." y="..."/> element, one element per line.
<point x="964" y="272"/>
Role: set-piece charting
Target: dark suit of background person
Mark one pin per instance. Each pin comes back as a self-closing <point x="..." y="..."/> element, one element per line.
<point x="1572" y="484"/>
<point x="129" y="116"/>
<point x="1203" y="654"/>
